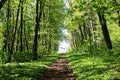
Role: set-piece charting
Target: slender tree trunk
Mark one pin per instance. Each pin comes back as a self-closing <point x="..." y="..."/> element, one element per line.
<point x="81" y="33"/>
<point x="14" y="34"/>
<point x="26" y="39"/>
<point x="50" y="43"/>
<point x="85" y="34"/>
<point x="76" y="38"/>
<point x="92" y="25"/>
<point x="21" y="27"/>
<point x="38" y="19"/>
<point x="104" y="29"/>
<point x="90" y="37"/>
<point x="18" y="39"/>
<point x="2" y="2"/>
<point x="35" y="45"/>
<point x="118" y="18"/>
<point x="93" y="28"/>
<point x="6" y="35"/>
<point x="73" y="40"/>
<point x="118" y="12"/>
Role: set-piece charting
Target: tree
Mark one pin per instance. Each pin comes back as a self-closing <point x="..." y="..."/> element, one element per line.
<point x="38" y="19"/>
<point x="21" y="37"/>
<point x="14" y="34"/>
<point x="104" y="29"/>
<point x="2" y="2"/>
<point x="21" y="27"/>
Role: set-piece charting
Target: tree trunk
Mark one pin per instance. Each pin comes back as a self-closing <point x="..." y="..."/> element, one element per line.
<point x="85" y="34"/>
<point x="35" y="45"/>
<point x="38" y="19"/>
<point x="6" y="35"/>
<point x="21" y="27"/>
<point x="118" y="12"/>
<point x="25" y="40"/>
<point x="2" y="2"/>
<point x="14" y="34"/>
<point x="118" y="18"/>
<point x="92" y="25"/>
<point x="104" y="29"/>
<point x="81" y="33"/>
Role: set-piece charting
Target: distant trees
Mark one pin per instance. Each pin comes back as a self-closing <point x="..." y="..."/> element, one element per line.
<point x="10" y="53"/>
<point x="85" y="18"/>
<point x="31" y="26"/>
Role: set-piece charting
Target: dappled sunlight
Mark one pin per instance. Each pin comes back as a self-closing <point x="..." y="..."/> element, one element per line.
<point x="60" y="40"/>
<point x="91" y="66"/>
<point x="59" y="70"/>
<point x="26" y="70"/>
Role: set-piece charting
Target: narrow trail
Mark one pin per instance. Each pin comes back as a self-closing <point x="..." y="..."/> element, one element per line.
<point x="59" y="70"/>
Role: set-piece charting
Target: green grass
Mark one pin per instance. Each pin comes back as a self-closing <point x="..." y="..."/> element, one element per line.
<point x="100" y="63"/>
<point x="88" y="66"/>
<point x="28" y="71"/>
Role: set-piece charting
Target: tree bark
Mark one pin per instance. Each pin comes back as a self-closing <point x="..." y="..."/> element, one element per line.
<point x="118" y="12"/>
<point x="2" y="2"/>
<point x="85" y="34"/>
<point x="14" y="34"/>
<point x="21" y="27"/>
<point x="6" y="35"/>
<point x="35" y="45"/>
<point x="102" y="21"/>
<point x="38" y="19"/>
<point x="118" y="18"/>
<point x="81" y="33"/>
<point x="92" y="25"/>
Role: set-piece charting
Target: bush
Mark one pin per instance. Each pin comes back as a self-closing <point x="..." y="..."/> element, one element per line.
<point x="22" y="56"/>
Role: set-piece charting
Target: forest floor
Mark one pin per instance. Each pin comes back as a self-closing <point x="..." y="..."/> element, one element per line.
<point x="28" y="70"/>
<point x="95" y="66"/>
<point x="59" y="70"/>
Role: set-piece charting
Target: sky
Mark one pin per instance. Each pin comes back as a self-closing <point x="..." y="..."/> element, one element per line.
<point x="64" y="45"/>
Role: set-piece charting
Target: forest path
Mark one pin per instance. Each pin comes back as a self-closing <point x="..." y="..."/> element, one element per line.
<point x="59" y="70"/>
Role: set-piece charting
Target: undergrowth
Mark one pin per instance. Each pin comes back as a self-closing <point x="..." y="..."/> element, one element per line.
<point x="100" y="64"/>
<point x="26" y="70"/>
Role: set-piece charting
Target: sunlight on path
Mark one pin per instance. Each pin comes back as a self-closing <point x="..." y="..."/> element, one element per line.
<point x="59" y="70"/>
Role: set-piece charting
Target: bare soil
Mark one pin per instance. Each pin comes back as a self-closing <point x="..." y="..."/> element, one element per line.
<point x="59" y="70"/>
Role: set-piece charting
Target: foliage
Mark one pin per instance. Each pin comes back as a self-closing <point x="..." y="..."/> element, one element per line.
<point x="17" y="28"/>
<point x="32" y="29"/>
<point x="1" y="35"/>
<point x="97" y="63"/>
<point x="89" y="57"/>
<point x="85" y="25"/>
<point x="100" y="65"/>
<point x="26" y="70"/>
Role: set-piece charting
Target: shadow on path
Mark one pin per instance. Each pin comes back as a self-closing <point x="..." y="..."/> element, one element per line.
<point x="59" y="70"/>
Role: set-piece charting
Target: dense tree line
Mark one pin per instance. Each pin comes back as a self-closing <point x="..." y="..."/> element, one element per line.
<point x="35" y="26"/>
<point x="31" y="26"/>
<point x="87" y="18"/>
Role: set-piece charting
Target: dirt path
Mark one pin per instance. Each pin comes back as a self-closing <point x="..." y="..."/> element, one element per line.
<point x="59" y="70"/>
